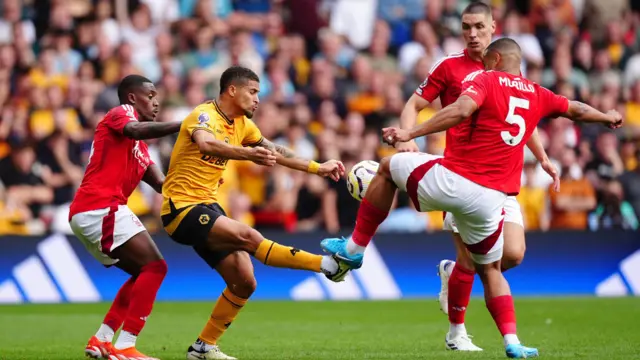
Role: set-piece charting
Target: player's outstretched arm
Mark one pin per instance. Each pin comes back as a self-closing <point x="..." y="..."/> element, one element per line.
<point x="408" y="119"/>
<point x="579" y="111"/>
<point x="208" y="145"/>
<point x="444" y="119"/>
<point x="286" y="157"/>
<point x="154" y="177"/>
<point x="150" y="130"/>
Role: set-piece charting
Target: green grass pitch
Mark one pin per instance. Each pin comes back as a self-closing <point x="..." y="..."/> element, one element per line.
<point x="562" y="328"/>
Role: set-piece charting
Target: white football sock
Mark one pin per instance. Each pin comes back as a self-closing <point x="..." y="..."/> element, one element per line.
<point x="457" y="330"/>
<point x="105" y="333"/>
<point x="125" y="340"/>
<point x="511" y="339"/>
<point x="329" y="265"/>
<point x="353" y="248"/>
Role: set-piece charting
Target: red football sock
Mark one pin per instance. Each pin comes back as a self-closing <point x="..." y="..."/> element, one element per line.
<point x="143" y="295"/>
<point x="120" y="305"/>
<point x="503" y="313"/>
<point x="367" y="222"/>
<point x="460" y="286"/>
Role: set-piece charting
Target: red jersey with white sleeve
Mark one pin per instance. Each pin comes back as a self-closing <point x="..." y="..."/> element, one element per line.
<point x="116" y="164"/>
<point x="445" y="81"/>
<point x="488" y="147"/>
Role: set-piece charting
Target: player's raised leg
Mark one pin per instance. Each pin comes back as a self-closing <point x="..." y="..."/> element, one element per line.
<point x="373" y="210"/>
<point x="237" y="271"/>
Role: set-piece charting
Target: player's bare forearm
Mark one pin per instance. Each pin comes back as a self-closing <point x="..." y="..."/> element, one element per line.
<point x="582" y="112"/>
<point x="286" y="157"/>
<point x="154" y="177"/>
<point x="535" y="145"/>
<point x="446" y="118"/>
<point x="409" y="115"/>
<point x="208" y="145"/>
<point x="150" y="130"/>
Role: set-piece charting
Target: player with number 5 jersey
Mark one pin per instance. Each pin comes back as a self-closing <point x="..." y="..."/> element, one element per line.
<point x="100" y="218"/>
<point x="496" y="115"/>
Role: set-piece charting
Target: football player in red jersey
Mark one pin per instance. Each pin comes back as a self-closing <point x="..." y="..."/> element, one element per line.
<point x="445" y="81"/>
<point x="100" y="218"/>
<point x="496" y="115"/>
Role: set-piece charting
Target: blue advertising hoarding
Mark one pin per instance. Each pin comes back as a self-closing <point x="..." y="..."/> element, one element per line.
<point x="57" y="268"/>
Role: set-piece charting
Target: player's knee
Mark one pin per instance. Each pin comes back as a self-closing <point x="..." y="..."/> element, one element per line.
<point x="245" y="288"/>
<point x="513" y="257"/>
<point x="384" y="167"/>
<point x="157" y="267"/>
<point x="249" y="238"/>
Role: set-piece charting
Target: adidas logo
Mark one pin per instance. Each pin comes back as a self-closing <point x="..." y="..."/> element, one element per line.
<point x="54" y="274"/>
<point x="625" y="281"/>
<point x="372" y="281"/>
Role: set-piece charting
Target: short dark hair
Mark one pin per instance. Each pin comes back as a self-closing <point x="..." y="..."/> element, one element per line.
<point x="235" y="75"/>
<point x="504" y="45"/>
<point x="128" y="85"/>
<point x="477" y="7"/>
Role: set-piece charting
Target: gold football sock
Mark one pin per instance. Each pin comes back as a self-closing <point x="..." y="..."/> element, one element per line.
<point x="225" y="310"/>
<point x="273" y="254"/>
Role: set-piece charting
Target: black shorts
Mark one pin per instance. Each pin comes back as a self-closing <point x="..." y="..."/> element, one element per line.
<point x="194" y="229"/>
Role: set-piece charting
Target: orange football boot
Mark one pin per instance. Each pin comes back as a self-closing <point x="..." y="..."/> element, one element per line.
<point x="97" y="349"/>
<point x="129" y="353"/>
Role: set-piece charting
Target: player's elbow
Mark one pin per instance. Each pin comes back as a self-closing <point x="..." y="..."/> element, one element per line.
<point x="416" y="103"/>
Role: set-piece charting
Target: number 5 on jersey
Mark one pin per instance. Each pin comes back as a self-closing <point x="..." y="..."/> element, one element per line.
<point x="514" y="119"/>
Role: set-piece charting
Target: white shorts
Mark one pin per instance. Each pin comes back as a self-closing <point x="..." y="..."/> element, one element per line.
<point x="478" y="211"/>
<point x="103" y="230"/>
<point x="512" y="214"/>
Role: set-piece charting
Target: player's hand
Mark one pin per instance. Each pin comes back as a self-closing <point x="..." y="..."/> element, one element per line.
<point x="550" y="169"/>
<point x="262" y="156"/>
<point x="333" y="169"/>
<point x="409" y="146"/>
<point x="616" y="119"/>
<point x="393" y="135"/>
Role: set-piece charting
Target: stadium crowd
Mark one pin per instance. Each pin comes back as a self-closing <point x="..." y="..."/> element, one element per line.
<point x="333" y="73"/>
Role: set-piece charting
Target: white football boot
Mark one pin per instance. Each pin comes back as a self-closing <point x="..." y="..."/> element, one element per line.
<point x="460" y="342"/>
<point x="212" y="352"/>
<point x="444" y="271"/>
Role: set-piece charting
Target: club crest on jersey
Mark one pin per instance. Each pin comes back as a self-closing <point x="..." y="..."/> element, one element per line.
<point x="226" y="139"/>
<point x="203" y="118"/>
<point x="204" y="219"/>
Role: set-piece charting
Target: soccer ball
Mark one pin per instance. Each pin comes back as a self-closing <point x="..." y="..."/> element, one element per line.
<point x="359" y="178"/>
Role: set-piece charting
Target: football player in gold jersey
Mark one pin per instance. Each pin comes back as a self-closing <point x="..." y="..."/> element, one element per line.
<point x="214" y="133"/>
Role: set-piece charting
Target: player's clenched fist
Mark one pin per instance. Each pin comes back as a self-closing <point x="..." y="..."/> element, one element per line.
<point x="393" y="135"/>
<point x="262" y="156"/>
<point x="333" y="169"/>
<point x="616" y="119"/>
<point x="409" y="146"/>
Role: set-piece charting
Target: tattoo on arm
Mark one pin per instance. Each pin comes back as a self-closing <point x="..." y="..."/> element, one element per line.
<point x="285" y="152"/>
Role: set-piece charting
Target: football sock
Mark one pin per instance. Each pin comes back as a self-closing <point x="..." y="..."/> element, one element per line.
<point x="143" y="296"/>
<point x="125" y="340"/>
<point x="273" y="254"/>
<point x="457" y="330"/>
<point x="224" y="312"/>
<point x="367" y="222"/>
<point x="105" y="333"/>
<point x="460" y="286"/>
<point x="504" y="315"/>
<point x="116" y="314"/>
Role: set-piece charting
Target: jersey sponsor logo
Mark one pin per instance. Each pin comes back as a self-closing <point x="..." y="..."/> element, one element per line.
<point x="372" y="281"/>
<point x="53" y="274"/>
<point x="203" y="118"/>
<point x="143" y="159"/>
<point x="516" y="84"/>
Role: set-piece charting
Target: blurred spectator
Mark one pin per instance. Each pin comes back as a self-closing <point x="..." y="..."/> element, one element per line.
<point x="570" y="206"/>
<point x="333" y="72"/>
<point x="613" y="212"/>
